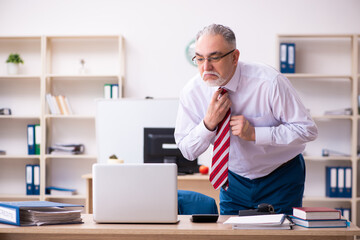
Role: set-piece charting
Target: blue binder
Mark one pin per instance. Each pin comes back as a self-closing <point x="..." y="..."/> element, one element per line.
<point x="31" y="139"/>
<point x="283" y="58"/>
<point x="114" y="91"/>
<point x="331" y="182"/>
<point x="291" y="58"/>
<point x="29" y="178"/>
<point x="341" y="181"/>
<point x="36" y="172"/>
<point x="348" y="182"/>
<point x="10" y="211"/>
<point x="345" y="212"/>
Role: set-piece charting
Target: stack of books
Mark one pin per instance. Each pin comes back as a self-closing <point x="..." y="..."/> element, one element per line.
<point x="318" y="217"/>
<point x="37" y="213"/>
<point x="270" y="221"/>
<point x="66" y="149"/>
<point x="58" y="104"/>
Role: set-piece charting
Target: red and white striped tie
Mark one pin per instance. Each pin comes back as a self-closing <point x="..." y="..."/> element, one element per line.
<point x="219" y="166"/>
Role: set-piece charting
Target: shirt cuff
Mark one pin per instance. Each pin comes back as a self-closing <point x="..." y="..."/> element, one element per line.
<point x="205" y="133"/>
<point x="262" y="135"/>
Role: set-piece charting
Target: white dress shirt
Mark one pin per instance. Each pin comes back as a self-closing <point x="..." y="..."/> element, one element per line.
<point x="267" y="100"/>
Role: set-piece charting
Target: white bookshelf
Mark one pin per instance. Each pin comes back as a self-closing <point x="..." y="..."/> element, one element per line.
<point x="327" y="78"/>
<point x="52" y="65"/>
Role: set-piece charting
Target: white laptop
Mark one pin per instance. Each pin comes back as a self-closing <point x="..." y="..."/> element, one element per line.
<point x="135" y="193"/>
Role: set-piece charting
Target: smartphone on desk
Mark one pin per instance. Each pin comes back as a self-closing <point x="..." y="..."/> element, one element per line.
<point x="204" y="218"/>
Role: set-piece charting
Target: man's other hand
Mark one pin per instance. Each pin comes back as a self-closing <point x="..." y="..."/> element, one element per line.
<point x="242" y="128"/>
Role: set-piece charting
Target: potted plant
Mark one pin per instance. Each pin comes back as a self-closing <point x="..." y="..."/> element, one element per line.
<point x="114" y="159"/>
<point x="13" y="62"/>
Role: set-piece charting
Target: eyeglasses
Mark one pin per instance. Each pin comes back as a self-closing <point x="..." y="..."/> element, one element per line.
<point x="200" y="60"/>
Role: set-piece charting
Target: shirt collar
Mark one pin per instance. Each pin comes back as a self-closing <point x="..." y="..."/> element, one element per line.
<point x="232" y="85"/>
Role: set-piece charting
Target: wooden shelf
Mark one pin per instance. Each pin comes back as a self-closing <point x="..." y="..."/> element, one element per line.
<point x="49" y="197"/>
<point x="16" y="197"/>
<point x="52" y="65"/>
<point x="20" y="156"/>
<point x="326" y="199"/>
<point x="74" y="77"/>
<point x="79" y="156"/>
<point x="73" y="116"/>
<point x="325" y="36"/>
<point x="37" y="77"/>
<point x="19" y="117"/>
<point x="324" y="117"/>
<point x="329" y="158"/>
<point x="319" y="76"/>
<point x="327" y="77"/>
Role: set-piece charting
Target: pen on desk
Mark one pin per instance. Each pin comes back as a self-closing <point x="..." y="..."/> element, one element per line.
<point x="290" y="220"/>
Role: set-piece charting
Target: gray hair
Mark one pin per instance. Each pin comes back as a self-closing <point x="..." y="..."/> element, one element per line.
<point x="217" y="29"/>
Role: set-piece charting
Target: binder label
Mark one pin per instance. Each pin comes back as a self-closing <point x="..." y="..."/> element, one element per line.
<point x="30" y="136"/>
<point x="28" y="175"/>
<point x="36" y="175"/>
<point x="283" y="52"/>
<point x="291" y="57"/>
<point x="348" y="178"/>
<point x="341" y="179"/>
<point x="333" y="178"/>
<point x="8" y="214"/>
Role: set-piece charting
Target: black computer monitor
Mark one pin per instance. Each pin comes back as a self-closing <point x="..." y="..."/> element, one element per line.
<point x="160" y="147"/>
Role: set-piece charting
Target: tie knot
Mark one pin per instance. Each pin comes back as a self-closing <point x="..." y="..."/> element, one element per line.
<point x="223" y="90"/>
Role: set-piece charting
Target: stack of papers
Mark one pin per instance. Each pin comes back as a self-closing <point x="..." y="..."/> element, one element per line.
<point x="49" y="215"/>
<point x="66" y="149"/>
<point x="32" y="213"/>
<point x="270" y="221"/>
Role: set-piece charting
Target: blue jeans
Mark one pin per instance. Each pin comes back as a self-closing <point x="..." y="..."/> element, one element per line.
<point x="283" y="188"/>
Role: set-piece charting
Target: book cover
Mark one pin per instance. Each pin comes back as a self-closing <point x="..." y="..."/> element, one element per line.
<point x="316" y="213"/>
<point x="339" y="223"/>
<point x="68" y="106"/>
<point x="49" y="100"/>
<point x="13" y="213"/>
<point x="61" y="102"/>
<point x="56" y="105"/>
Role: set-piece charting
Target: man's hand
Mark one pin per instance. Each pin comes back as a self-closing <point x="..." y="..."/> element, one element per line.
<point x="217" y="109"/>
<point x="242" y="128"/>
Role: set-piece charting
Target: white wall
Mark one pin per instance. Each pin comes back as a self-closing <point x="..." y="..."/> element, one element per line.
<point x="157" y="31"/>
